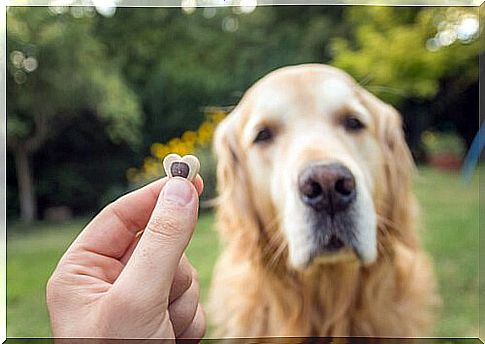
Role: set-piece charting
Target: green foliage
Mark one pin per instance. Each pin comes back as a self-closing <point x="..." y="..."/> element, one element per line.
<point x="59" y="72"/>
<point x="108" y="88"/>
<point x="57" y="69"/>
<point x="180" y="63"/>
<point x="393" y="52"/>
<point x="119" y="107"/>
<point x="437" y="142"/>
<point x="17" y="127"/>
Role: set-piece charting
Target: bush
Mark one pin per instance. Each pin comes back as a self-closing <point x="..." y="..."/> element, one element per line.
<point x="443" y="142"/>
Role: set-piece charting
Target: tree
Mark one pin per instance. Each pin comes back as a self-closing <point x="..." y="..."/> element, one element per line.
<point x="420" y="60"/>
<point x="179" y="63"/>
<point x="58" y="70"/>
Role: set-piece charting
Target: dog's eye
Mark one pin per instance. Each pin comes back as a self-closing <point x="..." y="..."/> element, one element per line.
<point x="264" y="135"/>
<point x="352" y="124"/>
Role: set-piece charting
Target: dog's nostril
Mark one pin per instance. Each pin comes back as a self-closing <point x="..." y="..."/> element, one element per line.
<point x="312" y="189"/>
<point x="345" y="186"/>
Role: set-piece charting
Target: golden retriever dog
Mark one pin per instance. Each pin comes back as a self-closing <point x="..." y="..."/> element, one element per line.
<point x="316" y="214"/>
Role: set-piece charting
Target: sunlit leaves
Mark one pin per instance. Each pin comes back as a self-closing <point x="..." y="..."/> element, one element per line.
<point x="391" y="50"/>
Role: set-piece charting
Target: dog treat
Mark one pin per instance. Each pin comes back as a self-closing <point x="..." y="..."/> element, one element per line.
<point x="186" y="167"/>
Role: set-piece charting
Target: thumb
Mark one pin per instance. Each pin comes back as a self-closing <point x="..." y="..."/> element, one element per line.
<point x="151" y="268"/>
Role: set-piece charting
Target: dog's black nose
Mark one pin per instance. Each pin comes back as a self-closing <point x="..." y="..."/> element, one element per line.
<point x="327" y="187"/>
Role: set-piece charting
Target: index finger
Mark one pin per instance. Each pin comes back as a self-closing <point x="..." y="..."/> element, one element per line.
<point x="112" y="231"/>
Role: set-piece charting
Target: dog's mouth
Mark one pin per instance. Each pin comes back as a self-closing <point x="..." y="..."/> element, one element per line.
<point x="331" y="249"/>
<point x="333" y="243"/>
<point x="333" y="233"/>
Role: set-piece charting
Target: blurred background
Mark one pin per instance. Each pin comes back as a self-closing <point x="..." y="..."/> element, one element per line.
<point x="97" y="96"/>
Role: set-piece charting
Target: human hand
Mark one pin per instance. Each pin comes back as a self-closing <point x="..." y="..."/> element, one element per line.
<point x="114" y="283"/>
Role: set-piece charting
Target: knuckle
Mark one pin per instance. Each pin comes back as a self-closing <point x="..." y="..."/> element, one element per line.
<point x="111" y="208"/>
<point x="195" y="277"/>
<point x="186" y="281"/>
<point x="195" y="291"/>
<point x="181" y="284"/>
<point x="167" y="226"/>
<point x="199" y="323"/>
<point x="202" y="324"/>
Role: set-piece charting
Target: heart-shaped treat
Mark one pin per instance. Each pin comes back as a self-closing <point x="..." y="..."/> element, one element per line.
<point x="186" y="167"/>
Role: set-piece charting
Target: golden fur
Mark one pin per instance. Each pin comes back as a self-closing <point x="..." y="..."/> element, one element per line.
<point x="256" y="293"/>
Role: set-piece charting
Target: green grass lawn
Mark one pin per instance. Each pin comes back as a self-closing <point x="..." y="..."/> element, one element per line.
<point x="450" y="217"/>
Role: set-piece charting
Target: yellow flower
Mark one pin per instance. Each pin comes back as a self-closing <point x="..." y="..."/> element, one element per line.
<point x="189" y="136"/>
<point x="173" y="143"/>
<point x="159" y="150"/>
<point x="180" y="149"/>
<point x="189" y="147"/>
<point x="186" y="144"/>
<point x="205" y="132"/>
<point x="217" y="116"/>
<point x="150" y="166"/>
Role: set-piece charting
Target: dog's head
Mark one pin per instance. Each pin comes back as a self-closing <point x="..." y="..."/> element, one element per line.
<point x="312" y="162"/>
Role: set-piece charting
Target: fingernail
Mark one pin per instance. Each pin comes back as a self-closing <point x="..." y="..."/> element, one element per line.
<point x="177" y="190"/>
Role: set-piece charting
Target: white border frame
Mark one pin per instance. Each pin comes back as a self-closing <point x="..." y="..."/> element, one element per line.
<point x="169" y="3"/>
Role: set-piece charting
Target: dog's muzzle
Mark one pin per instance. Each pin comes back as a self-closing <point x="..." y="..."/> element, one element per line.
<point x="329" y="191"/>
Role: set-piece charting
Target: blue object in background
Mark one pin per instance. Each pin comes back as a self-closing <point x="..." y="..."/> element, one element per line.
<point x="473" y="155"/>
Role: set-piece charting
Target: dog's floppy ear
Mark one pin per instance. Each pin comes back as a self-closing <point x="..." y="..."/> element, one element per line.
<point x="237" y="219"/>
<point x="398" y="204"/>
